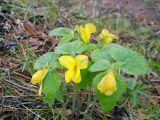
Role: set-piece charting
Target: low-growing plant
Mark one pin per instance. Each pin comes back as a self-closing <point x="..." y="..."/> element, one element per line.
<point x="87" y="63"/>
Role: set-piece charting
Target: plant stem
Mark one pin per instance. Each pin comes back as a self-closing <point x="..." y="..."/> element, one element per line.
<point x="74" y="102"/>
<point x="89" y="102"/>
<point x="52" y="111"/>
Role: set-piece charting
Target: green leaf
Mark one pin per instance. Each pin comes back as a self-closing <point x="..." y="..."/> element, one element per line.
<point x="137" y="89"/>
<point x="86" y="79"/>
<point x="103" y="53"/>
<point x="71" y="48"/>
<point x="45" y="60"/>
<point x="108" y="102"/>
<point x="117" y="65"/>
<point x="100" y="66"/>
<point x="100" y="54"/>
<point x="120" y="53"/>
<point x="131" y="83"/>
<point x="133" y="63"/>
<point x="136" y="65"/>
<point x="51" y="85"/>
<point x="89" y="47"/>
<point x="59" y="95"/>
<point x="65" y="39"/>
<point x="61" y="31"/>
<point x="135" y="98"/>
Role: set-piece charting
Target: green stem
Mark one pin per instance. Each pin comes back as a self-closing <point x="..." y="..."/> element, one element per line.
<point x="88" y="104"/>
<point x="52" y="111"/>
<point x="74" y="102"/>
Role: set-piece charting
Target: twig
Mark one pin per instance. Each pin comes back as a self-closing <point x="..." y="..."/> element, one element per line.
<point x="33" y="112"/>
<point x="8" y="21"/>
<point x="13" y="82"/>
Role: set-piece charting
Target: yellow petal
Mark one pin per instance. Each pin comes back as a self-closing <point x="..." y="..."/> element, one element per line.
<point x="39" y="76"/>
<point x="40" y="90"/>
<point x="82" y="61"/>
<point x="104" y="32"/>
<point x="77" y="75"/>
<point x="108" y="84"/>
<point x="67" y="61"/>
<point x="109" y="35"/>
<point x="85" y="34"/>
<point x="107" y="40"/>
<point x="102" y="36"/>
<point x="91" y="27"/>
<point x="108" y="93"/>
<point x="69" y="75"/>
<point x="105" y="37"/>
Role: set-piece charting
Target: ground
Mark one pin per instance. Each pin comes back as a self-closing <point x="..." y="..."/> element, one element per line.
<point x="24" y="28"/>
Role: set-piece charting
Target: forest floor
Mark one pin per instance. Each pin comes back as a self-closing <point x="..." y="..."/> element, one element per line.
<point x="24" y="28"/>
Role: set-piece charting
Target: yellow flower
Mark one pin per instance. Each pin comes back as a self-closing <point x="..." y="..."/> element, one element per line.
<point x="108" y="84"/>
<point x="38" y="78"/>
<point x="86" y="31"/>
<point x="105" y="37"/>
<point x="73" y="65"/>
